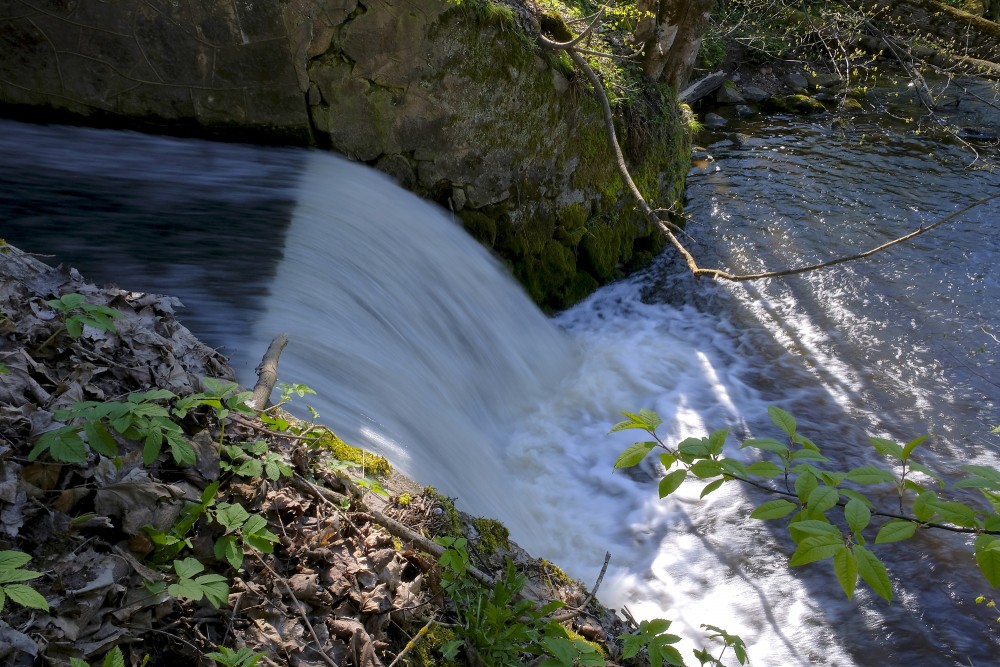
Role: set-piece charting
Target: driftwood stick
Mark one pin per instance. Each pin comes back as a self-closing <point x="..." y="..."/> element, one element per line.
<point x="410" y="645"/>
<point x="564" y="616"/>
<point x="267" y="372"/>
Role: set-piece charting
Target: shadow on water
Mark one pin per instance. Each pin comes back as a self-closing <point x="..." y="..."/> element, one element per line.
<point x="198" y="220"/>
<point x="895" y="346"/>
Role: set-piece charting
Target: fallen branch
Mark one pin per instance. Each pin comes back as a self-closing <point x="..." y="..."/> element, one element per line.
<point x="564" y="616"/>
<point x="267" y="372"/>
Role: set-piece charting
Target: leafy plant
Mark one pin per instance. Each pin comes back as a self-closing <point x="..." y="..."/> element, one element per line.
<point x="830" y="518"/>
<point x="193" y="585"/>
<point x="652" y="635"/>
<point x="11" y="572"/>
<point x="113" y="658"/>
<point x="79" y="312"/>
<point x="168" y="545"/>
<point x="499" y="626"/>
<point x="254" y="460"/>
<point x="242" y="530"/>
<point x="227" y="657"/>
<point x="139" y="418"/>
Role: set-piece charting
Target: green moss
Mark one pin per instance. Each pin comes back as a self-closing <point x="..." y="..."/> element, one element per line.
<point x="555" y="572"/>
<point x="554" y="25"/>
<point x="797" y="104"/>
<point x="427" y="653"/>
<point x="373" y="463"/>
<point x="578" y="637"/>
<point x="482" y="227"/>
<point x="493" y="535"/>
<point x="404" y="500"/>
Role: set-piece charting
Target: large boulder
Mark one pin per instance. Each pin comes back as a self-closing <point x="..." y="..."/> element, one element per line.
<point x="455" y="101"/>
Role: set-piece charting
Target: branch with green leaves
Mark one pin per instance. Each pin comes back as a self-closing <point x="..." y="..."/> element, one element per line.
<point x="829" y="515"/>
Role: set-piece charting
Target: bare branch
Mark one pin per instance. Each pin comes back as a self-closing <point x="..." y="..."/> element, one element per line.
<point x="668" y="228"/>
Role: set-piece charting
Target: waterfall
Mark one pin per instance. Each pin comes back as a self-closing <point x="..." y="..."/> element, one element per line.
<point x="419" y="343"/>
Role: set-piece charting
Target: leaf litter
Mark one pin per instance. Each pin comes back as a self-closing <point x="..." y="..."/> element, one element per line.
<point x="340" y="588"/>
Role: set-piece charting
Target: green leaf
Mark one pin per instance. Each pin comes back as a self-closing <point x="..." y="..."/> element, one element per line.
<point x="803" y="529"/>
<point x="705" y="469"/>
<point x="671" y="482"/>
<point x="805" y="484"/>
<point x="832" y="478"/>
<point x="887" y="447"/>
<point x="845" y="566"/>
<point x="895" y="530"/>
<point x="99" y="439"/>
<point x="957" y="513"/>
<point x="873" y="572"/>
<point x="773" y="509"/>
<point x="65" y="445"/>
<point x="151" y="447"/>
<point x="782" y="419"/>
<point x="114" y="658"/>
<point x="712" y="486"/>
<point x="231" y="516"/>
<point x="633" y="454"/>
<point x="988" y="558"/>
<point x="10" y="560"/>
<point x="765" y="469"/>
<point x="228" y="550"/>
<point x="26" y="596"/>
<point x="17" y="574"/>
<point x="815" y="548"/>
<point x="692" y="448"/>
<point x="870" y="474"/>
<point x="717" y="440"/>
<point x="188" y="568"/>
<point x="74" y="326"/>
<point x="822" y="498"/>
<point x="858" y="515"/>
<point x="910" y="446"/>
<point x="923" y="506"/>
<point x="767" y="445"/>
<point x="181" y="450"/>
<point x="807" y="455"/>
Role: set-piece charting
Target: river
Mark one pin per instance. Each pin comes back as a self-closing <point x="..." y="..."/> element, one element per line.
<point x="419" y="345"/>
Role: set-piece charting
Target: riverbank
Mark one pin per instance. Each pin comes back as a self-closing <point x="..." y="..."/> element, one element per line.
<point x="174" y="521"/>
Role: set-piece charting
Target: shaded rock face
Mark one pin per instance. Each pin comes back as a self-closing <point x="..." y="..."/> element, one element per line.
<point x="455" y="103"/>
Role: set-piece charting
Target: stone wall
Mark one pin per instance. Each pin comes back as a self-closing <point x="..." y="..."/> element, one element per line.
<point x="457" y="103"/>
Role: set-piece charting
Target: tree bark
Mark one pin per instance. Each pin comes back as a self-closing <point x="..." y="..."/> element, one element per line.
<point x="671" y="32"/>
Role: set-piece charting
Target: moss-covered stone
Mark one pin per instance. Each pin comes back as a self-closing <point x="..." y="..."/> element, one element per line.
<point x="797" y="103"/>
<point x="373" y="463"/>
<point x="482" y="227"/>
<point x="493" y="535"/>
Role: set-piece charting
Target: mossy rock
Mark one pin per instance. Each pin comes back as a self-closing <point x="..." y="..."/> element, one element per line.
<point x="480" y="226"/>
<point x="797" y="103"/>
<point x="493" y="535"/>
<point x="373" y="464"/>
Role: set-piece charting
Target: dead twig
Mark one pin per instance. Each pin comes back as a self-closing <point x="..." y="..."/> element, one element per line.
<point x="564" y="616"/>
<point x="410" y="645"/>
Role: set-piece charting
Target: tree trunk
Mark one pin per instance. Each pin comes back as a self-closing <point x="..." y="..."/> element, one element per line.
<point x="671" y="32"/>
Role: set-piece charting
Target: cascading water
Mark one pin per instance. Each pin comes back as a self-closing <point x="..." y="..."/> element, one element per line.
<point x="418" y="344"/>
